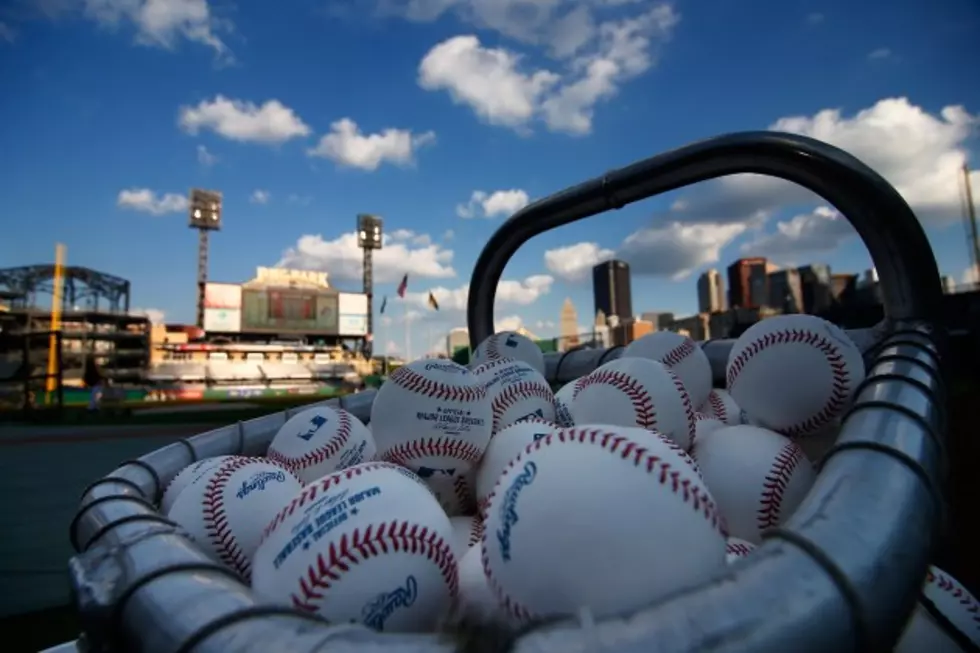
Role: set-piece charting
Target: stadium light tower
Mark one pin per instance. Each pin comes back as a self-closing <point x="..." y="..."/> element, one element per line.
<point x="205" y="216"/>
<point x="369" y="239"/>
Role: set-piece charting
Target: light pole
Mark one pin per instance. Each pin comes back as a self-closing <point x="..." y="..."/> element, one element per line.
<point x="369" y="237"/>
<point x="205" y="215"/>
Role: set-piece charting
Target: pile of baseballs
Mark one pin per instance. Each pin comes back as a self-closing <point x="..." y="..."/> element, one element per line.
<point x="479" y="496"/>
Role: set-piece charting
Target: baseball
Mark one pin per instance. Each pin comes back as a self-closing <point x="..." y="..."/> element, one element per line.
<point x="563" y="404"/>
<point x="765" y="373"/>
<point x="368" y="544"/>
<point x="455" y="492"/>
<point x="509" y="344"/>
<point x="636" y="392"/>
<point x="225" y="510"/>
<point x="477" y="602"/>
<point x="319" y="441"/>
<point x="957" y="627"/>
<point x="554" y="544"/>
<point x="722" y="407"/>
<point x="736" y="548"/>
<point x="432" y="416"/>
<point x="703" y="425"/>
<point x="679" y="354"/>
<point x="503" y="448"/>
<point x="185" y="477"/>
<point x="516" y="391"/>
<point x="467" y="533"/>
<point x="758" y="477"/>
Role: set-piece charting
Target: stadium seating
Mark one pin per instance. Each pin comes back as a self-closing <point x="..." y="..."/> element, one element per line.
<point x="232" y="372"/>
<point x="286" y="371"/>
<point x="187" y="372"/>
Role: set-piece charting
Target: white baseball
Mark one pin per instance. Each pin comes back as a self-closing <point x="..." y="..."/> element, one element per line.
<point x="681" y="355"/>
<point x="563" y="404"/>
<point x="703" y="425"/>
<point x="636" y="392"/>
<point x="432" y="415"/>
<point x="226" y="510"/>
<point x="510" y="344"/>
<point x="516" y="391"/>
<point x="477" y="602"/>
<point x="958" y="608"/>
<point x="736" y="548"/>
<point x="368" y="544"/>
<point x="185" y="477"/>
<point x="467" y="533"/>
<point x="722" y="407"/>
<point x="503" y="448"/>
<point x="794" y="373"/>
<point x="757" y="477"/>
<point x="455" y="492"/>
<point x="553" y="544"/>
<point x="321" y="440"/>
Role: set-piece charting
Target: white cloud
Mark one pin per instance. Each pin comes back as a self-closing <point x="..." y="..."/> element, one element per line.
<point x="545" y="325"/>
<point x="147" y="201"/>
<point x="918" y="152"/>
<point x="260" y="196"/>
<point x="509" y="292"/>
<point x="880" y="53"/>
<point x="343" y="259"/>
<point x="491" y="205"/>
<point x="815" y="18"/>
<point x="301" y="200"/>
<point x="508" y="323"/>
<point x="155" y="315"/>
<point x="821" y="230"/>
<point x="575" y="262"/>
<point x="449" y="235"/>
<point x="162" y="23"/>
<point x="596" y="58"/>
<point x="204" y="157"/>
<point x="347" y="146"/>
<point x="272" y="123"/>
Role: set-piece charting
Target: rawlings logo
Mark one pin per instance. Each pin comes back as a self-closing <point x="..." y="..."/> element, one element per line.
<point x="508" y="508"/>
<point x="377" y="611"/>
<point x="451" y="368"/>
<point x="258" y="482"/>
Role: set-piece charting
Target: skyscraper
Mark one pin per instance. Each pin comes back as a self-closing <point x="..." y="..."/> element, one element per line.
<point x="748" y="283"/>
<point x="785" y="290"/>
<point x="815" y="281"/>
<point x="711" y="292"/>
<point x="568" y="324"/>
<point x="611" y="289"/>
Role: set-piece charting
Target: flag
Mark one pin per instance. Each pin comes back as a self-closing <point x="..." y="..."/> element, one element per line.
<point x="403" y="286"/>
<point x="432" y="301"/>
<point x="384" y="302"/>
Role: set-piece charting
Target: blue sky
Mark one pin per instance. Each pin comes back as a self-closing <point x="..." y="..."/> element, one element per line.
<point x="443" y="116"/>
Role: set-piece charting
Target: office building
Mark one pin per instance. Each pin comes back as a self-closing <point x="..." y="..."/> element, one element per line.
<point x="568" y="335"/>
<point x="786" y="291"/>
<point x="611" y="289"/>
<point x="711" y="292"/>
<point x="748" y="283"/>
<point x="815" y="281"/>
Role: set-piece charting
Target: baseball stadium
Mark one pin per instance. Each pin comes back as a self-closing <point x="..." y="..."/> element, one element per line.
<point x="887" y="503"/>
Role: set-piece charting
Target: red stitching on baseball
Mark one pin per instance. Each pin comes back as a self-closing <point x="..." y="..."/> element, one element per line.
<point x="476" y="532"/>
<point x="738" y="548"/>
<point x="665" y="473"/>
<point x="216" y="518"/>
<point x="494" y="364"/>
<point x="686" y="400"/>
<point x="313" y="490"/>
<point x="330" y="448"/>
<point x="515" y="392"/>
<point x="951" y="587"/>
<point x="361" y="545"/>
<point x="840" y="384"/>
<point x="773" y="487"/>
<point x="718" y="406"/>
<point x="403" y="454"/>
<point x="493" y="348"/>
<point x="415" y="382"/>
<point x="679" y="353"/>
<point x="645" y="412"/>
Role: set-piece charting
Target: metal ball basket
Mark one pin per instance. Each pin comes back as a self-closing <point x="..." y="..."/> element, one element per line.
<point x="842" y="575"/>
